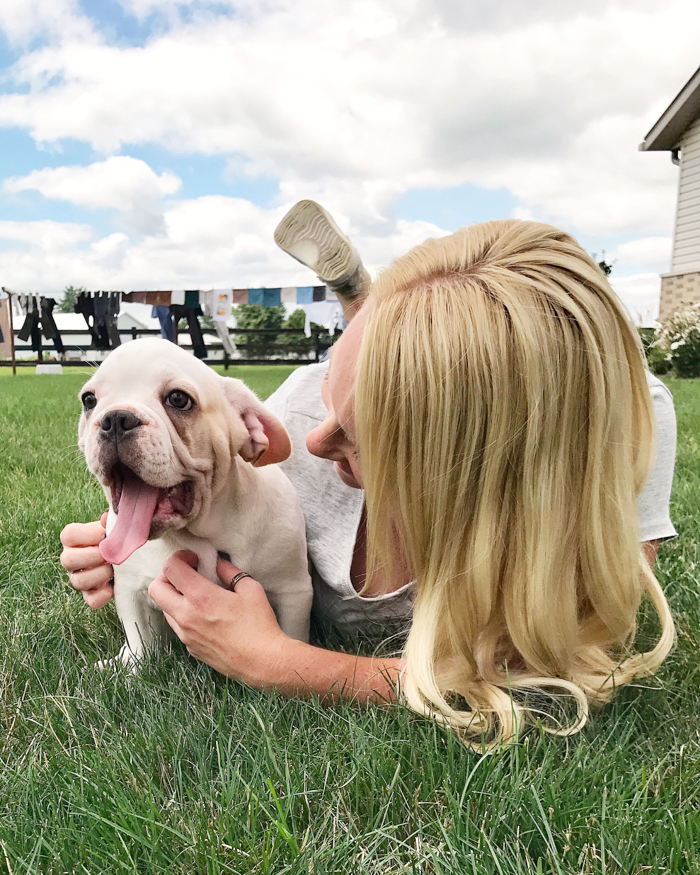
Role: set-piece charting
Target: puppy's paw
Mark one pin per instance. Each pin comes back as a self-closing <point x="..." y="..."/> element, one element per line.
<point x="126" y="658"/>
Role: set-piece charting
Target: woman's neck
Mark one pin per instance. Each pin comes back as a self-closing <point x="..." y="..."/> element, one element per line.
<point x="378" y="585"/>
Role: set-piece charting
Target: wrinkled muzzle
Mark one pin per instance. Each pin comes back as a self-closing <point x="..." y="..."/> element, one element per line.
<point x="132" y="460"/>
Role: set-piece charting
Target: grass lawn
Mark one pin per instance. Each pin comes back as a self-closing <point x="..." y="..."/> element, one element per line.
<point x="181" y="771"/>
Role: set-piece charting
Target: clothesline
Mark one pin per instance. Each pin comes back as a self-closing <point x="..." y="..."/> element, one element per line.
<point x="268" y="297"/>
<point x="101" y="309"/>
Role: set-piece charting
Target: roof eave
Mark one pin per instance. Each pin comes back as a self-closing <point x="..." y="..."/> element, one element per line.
<point x="682" y="112"/>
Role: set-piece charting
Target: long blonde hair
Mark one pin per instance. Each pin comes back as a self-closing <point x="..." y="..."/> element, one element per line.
<point x="505" y="429"/>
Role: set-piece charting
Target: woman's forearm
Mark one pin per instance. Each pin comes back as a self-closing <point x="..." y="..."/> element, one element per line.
<point x="236" y="633"/>
<point x="305" y="669"/>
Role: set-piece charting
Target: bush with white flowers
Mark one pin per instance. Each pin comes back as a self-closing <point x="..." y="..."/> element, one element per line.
<point x="678" y="342"/>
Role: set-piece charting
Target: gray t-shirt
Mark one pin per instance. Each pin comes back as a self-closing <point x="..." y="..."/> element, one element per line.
<point x="333" y="510"/>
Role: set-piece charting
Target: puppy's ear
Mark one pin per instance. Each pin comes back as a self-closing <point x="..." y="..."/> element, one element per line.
<point x="267" y="441"/>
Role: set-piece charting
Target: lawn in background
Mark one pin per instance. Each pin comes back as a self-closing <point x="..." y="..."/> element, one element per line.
<point x="179" y="770"/>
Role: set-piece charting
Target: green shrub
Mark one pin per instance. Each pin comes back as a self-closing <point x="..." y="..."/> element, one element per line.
<point x="656" y="357"/>
<point x="678" y="343"/>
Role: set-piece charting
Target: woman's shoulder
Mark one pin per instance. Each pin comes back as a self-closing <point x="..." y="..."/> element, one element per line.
<point x="300" y="393"/>
<point x="658" y="389"/>
<point x="662" y="400"/>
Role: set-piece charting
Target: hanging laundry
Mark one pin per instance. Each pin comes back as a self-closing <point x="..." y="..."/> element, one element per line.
<point x="217" y="304"/>
<point x="240" y="296"/>
<point x="288" y="294"/>
<point x="319" y="294"/>
<point x="155" y="299"/>
<point x="48" y="324"/>
<point x="305" y="294"/>
<point x="5" y="334"/>
<point x="272" y="297"/>
<point x="106" y="314"/>
<point x="222" y="301"/>
<point x="32" y="323"/>
<point x="85" y="304"/>
<point x="255" y="296"/>
<point x="100" y="311"/>
<point x="192" y="298"/>
<point x="177" y="296"/>
<point x="39" y="320"/>
<point x="165" y="317"/>
<point x="195" y="331"/>
<point x="326" y="313"/>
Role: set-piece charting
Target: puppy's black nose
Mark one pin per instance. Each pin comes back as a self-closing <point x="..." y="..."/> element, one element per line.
<point x="117" y="423"/>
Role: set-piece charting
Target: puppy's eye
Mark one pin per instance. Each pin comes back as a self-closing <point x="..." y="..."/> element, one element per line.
<point x="89" y="401"/>
<point x="179" y="400"/>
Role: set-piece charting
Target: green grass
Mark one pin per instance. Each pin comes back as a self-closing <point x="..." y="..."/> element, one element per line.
<point x="181" y="771"/>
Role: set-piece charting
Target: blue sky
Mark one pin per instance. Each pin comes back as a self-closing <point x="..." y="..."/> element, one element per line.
<point x="151" y="143"/>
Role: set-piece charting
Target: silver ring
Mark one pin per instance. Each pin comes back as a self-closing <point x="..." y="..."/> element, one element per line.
<point x="239" y="576"/>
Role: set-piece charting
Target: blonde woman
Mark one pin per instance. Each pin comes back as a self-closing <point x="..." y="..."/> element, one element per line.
<point x="491" y="398"/>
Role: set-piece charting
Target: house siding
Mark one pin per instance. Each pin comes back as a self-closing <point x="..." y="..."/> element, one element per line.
<point x="686" y="238"/>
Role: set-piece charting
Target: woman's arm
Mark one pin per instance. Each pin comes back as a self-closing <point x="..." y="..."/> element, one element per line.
<point x="651" y="548"/>
<point x="238" y="635"/>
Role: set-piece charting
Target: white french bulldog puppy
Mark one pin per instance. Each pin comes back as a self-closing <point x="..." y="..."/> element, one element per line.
<point x="186" y="459"/>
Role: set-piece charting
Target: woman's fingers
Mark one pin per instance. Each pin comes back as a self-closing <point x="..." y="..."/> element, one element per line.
<point x="189" y="557"/>
<point x="227" y="571"/>
<point x="181" y="570"/>
<point x="168" y="598"/>
<point x="91" y="578"/>
<point x="83" y="534"/>
<point x="79" y="558"/>
<point x="99" y="597"/>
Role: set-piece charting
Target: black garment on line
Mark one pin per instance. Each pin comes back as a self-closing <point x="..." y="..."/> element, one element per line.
<point x="48" y="324"/>
<point x="106" y="313"/>
<point x="40" y="317"/>
<point x="180" y="311"/>
<point x="103" y="309"/>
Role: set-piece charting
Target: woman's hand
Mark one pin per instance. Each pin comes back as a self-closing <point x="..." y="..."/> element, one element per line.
<point x="235" y="633"/>
<point x="87" y="570"/>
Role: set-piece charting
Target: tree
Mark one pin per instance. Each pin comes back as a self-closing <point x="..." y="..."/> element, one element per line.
<point x="301" y="343"/>
<point x="269" y="319"/>
<point x="70" y="296"/>
<point x="605" y="266"/>
<point x="272" y="320"/>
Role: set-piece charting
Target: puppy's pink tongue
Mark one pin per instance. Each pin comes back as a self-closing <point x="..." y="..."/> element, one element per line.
<point x="136" y="508"/>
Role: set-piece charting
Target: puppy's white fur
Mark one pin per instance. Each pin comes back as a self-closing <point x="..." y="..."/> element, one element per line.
<point x="224" y="448"/>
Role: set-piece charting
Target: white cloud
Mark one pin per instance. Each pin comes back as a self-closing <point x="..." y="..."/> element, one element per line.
<point x="213" y="242"/>
<point x="351" y="104"/>
<point x="207" y="242"/>
<point x="640" y="294"/>
<point x="24" y="20"/>
<point x="646" y="252"/>
<point x="548" y="100"/>
<point x="119" y="183"/>
<point x="45" y="234"/>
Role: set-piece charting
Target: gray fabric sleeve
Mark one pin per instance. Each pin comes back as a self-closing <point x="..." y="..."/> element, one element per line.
<point x="277" y="402"/>
<point x="653" y="501"/>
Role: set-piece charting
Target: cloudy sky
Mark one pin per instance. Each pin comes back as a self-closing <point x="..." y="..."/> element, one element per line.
<point x="156" y="143"/>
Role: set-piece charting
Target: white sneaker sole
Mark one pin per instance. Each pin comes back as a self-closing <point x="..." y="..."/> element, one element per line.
<point x="309" y="234"/>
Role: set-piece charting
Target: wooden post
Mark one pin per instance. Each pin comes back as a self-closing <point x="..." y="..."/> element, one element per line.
<point x="12" y="332"/>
